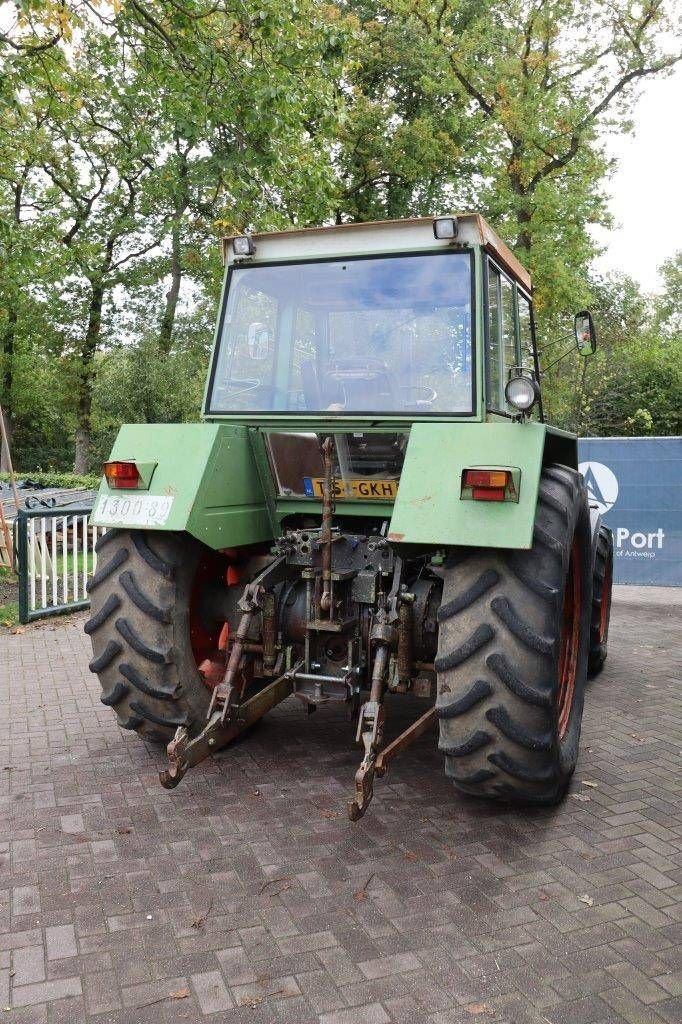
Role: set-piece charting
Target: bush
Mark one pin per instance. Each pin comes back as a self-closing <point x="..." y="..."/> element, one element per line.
<point x="69" y="480"/>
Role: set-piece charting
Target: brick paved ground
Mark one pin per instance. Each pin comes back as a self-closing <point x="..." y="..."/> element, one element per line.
<point x="248" y="894"/>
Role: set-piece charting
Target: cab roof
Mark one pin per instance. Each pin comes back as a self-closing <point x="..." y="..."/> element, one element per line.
<point x="376" y="237"/>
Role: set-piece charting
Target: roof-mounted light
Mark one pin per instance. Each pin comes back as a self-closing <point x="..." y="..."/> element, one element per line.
<point x="243" y="245"/>
<point x="445" y="227"/>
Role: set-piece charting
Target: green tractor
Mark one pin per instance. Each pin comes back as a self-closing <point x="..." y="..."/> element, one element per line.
<point x="372" y="506"/>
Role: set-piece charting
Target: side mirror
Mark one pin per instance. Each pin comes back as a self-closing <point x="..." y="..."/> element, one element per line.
<point x="585" y="333"/>
<point x="258" y="340"/>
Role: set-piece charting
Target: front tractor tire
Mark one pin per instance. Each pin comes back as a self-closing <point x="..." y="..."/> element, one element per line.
<point x="513" y="652"/>
<point x="140" y="598"/>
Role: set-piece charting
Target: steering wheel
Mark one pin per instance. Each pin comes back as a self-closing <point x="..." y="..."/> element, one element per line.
<point x="360" y="379"/>
<point x="429" y="398"/>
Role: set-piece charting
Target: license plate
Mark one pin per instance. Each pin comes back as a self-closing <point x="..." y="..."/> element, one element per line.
<point x="132" y="510"/>
<point x="363" y="490"/>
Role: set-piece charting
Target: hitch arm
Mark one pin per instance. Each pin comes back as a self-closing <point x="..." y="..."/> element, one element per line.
<point x="183" y="752"/>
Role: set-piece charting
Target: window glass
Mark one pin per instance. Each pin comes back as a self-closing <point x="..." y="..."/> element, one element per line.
<point x="390" y="334"/>
<point x="508" y="328"/>
<point x="508" y="337"/>
<point x="526" y="332"/>
<point x="249" y="364"/>
<point x="365" y="465"/>
<point x="494" y="353"/>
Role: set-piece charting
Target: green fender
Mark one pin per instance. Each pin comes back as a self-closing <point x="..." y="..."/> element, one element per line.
<point x="429" y="508"/>
<point x="206" y="476"/>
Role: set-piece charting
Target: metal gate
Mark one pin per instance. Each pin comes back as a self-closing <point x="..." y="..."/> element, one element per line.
<point x="56" y="556"/>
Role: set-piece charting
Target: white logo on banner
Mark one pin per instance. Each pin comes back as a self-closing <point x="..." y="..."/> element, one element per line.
<point x="602" y="485"/>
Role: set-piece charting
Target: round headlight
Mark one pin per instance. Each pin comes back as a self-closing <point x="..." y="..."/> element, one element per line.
<point x="521" y="392"/>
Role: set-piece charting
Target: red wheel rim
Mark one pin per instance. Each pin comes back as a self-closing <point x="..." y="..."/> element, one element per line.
<point x="209" y="644"/>
<point x="570" y="640"/>
<point x="605" y="604"/>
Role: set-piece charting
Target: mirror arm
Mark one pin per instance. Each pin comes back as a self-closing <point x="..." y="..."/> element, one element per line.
<point x="556" y="341"/>
<point x="559" y="358"/>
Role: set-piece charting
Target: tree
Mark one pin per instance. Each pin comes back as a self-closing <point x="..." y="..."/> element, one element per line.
<point x="534" y="86"/>
<point x="668" y="305"/>
<point x="633" y="385"/>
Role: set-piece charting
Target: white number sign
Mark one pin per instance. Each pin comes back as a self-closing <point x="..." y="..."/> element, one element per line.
<point x="132" y="510"/>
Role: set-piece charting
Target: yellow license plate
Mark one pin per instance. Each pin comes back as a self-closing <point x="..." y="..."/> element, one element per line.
<point x="363" y="490"/>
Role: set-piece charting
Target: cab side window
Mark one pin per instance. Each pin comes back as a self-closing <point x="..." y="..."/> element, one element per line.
<point x="494" y="347"/>
<point x="525" y="331"/>
<point x="510" y="340"/>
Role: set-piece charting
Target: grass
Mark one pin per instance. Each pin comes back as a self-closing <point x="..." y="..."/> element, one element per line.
<point x="9" y="610"/>
<point x="60" y="563"/>
<point x="9" y="614"/>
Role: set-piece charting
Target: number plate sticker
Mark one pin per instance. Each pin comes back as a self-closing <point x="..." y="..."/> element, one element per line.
<point x="362" y="490"/>
<point x="129" y="510"/>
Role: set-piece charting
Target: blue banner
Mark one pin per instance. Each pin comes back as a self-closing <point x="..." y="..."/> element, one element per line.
<point x="636" y="482"/>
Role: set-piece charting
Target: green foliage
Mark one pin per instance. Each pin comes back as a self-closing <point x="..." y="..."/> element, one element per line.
<point x="133" y="134"/>
<point x="67" y="480"/>
<point x="632" y="386"/>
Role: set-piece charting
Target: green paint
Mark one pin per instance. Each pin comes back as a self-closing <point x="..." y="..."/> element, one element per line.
<point x="208" y="470"/>
<point x="429" y="510"/>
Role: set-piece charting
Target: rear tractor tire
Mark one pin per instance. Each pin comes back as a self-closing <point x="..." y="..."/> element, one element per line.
<point x="140" y="631"/>
<point x="602" y="581"/>
<point x="513" y="652"/>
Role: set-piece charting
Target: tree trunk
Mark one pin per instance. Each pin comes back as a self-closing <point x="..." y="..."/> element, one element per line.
<point x="524" y="239"/>
<point x="182" y="198"/>
<point x="7" y="422"/>
<point x="86" y="378"/>
<point x="81" y="461"/>
<point x="6" y="382"/>
<point x="173" y="293"/>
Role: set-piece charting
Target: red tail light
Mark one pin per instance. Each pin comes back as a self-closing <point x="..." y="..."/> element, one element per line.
<point x="122" y="475"/>
<point x="487" y="484"/>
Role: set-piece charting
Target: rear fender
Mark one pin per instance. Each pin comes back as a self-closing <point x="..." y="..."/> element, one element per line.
<point x="429" y="508"/>
<point x="204" y="472"/>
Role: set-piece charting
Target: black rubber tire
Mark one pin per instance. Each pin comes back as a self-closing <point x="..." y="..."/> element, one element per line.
<point x="602" y="581"/>
<point x="498" y="654"/>
<point x="139" y="629"/>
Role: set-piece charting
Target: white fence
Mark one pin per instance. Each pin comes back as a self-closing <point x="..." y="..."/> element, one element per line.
<point x="56" y="557"/>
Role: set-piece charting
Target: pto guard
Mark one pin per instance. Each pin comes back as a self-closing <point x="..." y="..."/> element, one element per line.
<point x="205" y="480"/>
<point x="429" y="508"/>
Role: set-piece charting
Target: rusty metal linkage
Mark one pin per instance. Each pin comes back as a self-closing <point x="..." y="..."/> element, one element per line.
<point x="372" y="715"/>
<point x="403" y="741"/>
<point x="326" y="531"/>
<point x="227" y="696"/>
<point x="184" y="753"/>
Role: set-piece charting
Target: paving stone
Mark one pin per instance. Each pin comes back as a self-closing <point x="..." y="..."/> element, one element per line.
<point x="246" y="889"/>
<point x="46" y="991"/>
<point x="211" y="992"/>
<point x="101" y="992"/>
<point x="385" y="965"/>
<point x="61" y="942"/>
<point x="28" y="965"/>
<point x="370" y="1014"/>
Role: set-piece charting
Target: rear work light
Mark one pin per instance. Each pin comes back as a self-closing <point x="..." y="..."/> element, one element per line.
<point x="487" y="485"/>
<point x="122" y="475"/>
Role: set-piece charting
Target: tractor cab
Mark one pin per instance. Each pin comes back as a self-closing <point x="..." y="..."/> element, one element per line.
<point x="369" y="325"/>
<point x="398" y="321"/>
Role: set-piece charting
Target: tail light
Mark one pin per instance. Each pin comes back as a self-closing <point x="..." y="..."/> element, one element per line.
<point x="122" y="475"/>
<point x="486" y="484"/>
